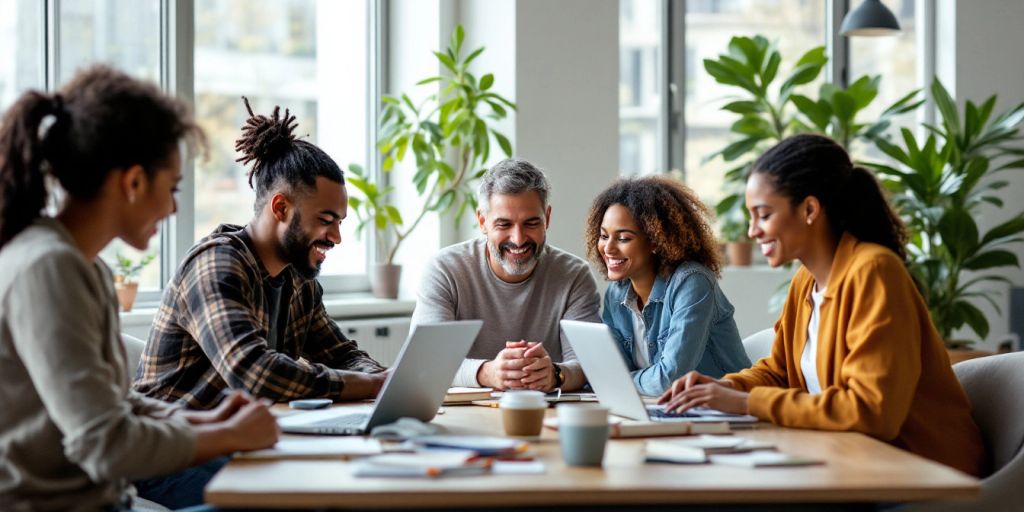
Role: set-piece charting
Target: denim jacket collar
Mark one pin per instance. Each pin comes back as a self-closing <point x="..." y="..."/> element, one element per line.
<point x="657" y="292"/>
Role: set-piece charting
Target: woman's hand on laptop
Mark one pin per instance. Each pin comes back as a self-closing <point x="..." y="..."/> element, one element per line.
<point x="698" y="390"/>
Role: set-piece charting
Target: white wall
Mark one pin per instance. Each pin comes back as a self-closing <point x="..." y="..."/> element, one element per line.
<point x="978" y="47"/>
<point x="567" y="76"/>
<point x="750" y="290"/>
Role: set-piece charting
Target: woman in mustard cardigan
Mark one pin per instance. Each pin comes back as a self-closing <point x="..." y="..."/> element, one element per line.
<point x="855" y="348"/>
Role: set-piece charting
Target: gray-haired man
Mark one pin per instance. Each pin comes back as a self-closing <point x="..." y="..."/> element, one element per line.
<point x="519" y="286"/>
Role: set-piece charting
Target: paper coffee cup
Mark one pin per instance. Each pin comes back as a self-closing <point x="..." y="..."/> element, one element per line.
<point x="522" y="412"/>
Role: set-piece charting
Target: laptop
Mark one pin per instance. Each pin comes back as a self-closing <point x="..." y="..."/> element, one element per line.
<point x="608" y="374"/>
<point x="415" y="388"/>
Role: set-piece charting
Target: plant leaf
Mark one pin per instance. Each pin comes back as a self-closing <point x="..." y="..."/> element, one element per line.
<point x="990" y="259"/>
<point x="486" y="81"/>
<point x="506" y="146"/>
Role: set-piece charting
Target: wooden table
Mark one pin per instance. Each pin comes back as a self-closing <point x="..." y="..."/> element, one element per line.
<point x="858" y="469"/>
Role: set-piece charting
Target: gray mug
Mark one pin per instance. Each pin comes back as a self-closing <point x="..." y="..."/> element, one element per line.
<point x="582" y="433"/>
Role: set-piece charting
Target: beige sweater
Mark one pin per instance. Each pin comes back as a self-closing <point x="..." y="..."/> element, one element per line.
<point x="72" y="434"/>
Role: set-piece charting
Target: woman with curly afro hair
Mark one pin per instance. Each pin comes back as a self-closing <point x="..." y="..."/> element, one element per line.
<point x="651" y="236"/>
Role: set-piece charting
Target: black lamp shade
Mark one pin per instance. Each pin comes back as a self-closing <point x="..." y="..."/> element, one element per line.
<point x="871" y="18"/>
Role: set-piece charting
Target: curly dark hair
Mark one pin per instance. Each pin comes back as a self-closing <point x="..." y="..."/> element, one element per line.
<point x="102" y="120"/>
<point x="278" y="157"/>
<point x="675" y="221"/>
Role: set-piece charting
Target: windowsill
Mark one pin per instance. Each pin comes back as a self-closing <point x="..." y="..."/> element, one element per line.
<point x="348" y="305"/>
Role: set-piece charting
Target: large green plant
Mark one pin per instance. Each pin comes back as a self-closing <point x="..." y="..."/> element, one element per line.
<point x="449" y="135"/>
<point x="770" y="110"/>
<point x="939" y="185"/>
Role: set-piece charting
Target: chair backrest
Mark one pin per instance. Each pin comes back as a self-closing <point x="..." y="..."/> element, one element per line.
<point x="995" y="388"/>
<point x="133" y="348"/>
<point x="759" y="344"/>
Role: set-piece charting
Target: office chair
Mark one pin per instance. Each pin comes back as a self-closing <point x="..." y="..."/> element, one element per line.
<point x="995" y="387"/>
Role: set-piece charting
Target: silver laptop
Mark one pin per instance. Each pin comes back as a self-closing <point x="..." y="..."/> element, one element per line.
<point x="415" y="388"/>
<point x="608" y="374"/>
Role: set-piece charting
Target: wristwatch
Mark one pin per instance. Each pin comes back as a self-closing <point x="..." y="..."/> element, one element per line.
<point x="559" y="377"/>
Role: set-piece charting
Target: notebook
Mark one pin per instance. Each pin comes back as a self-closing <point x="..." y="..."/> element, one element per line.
<point x="415" y="388"/>
<point x="609" y="376"/>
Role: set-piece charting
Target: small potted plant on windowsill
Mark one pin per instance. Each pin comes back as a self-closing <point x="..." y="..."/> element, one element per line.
<point x="738" y="248"/>
<point x="126" y="274"/>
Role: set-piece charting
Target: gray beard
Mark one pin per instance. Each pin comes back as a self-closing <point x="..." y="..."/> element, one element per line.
<point x="515" y="268"/>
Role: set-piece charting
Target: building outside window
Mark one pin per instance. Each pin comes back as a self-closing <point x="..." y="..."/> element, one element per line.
<point x="307" y="56"/>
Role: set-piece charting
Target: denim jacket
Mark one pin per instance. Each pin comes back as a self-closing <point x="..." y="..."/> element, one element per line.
<point x="689" y="327"/>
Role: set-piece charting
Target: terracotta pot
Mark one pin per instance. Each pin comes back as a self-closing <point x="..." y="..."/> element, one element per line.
<point x="384" y="280"/>
<point x="741" y="254"/>
<point x="126" y="293"/>
<point x="957" y="355"/>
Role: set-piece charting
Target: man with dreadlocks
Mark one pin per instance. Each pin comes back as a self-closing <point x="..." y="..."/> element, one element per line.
<point x="244" y="310"/>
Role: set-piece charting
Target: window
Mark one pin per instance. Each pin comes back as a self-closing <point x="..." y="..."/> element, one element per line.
<point x="125" y="35"/>
<point x="896" y="59"/>
<point x="309" y="56"/>
<point x="794" y="25"/>
<point x="304" y="55"/>
<point x="21" y="48"/>
<point x="639" y="85"/>
<point x="706" y="26"/>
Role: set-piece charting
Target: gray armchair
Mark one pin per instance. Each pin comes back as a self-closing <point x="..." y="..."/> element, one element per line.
<point x="995" y="387"/>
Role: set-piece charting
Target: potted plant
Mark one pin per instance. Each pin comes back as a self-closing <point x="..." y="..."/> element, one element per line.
<point x="939" y="185"/>
<point x="739" y="250"/>
<point x="449" y="135"/>
<point x="126" y="273"/>
<point x="770" y="110"/>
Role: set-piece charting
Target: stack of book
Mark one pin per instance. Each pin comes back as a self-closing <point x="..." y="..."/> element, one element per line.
<point x="460" y="395"/>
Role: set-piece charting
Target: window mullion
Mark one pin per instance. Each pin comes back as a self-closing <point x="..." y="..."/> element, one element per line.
<point x="51" y="52"/>
<point x="377" y="82"/>
<point x="674" y="86"/>
<point x="177" y="78"/>
<point x="926" y="23"/>
<point x="838" y="47"/>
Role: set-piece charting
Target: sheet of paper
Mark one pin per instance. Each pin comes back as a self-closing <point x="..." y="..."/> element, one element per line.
<point x="317" y="447"/>
<point x="509" y="467"/>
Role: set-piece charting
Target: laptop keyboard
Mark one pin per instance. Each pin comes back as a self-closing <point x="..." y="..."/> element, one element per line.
<point x="350" y="420"/>
<point x="658" y="412"/>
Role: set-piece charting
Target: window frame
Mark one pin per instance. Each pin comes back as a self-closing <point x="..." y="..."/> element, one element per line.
<point x="177" y="77"/>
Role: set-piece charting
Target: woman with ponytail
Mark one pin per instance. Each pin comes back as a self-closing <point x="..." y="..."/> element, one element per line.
<point x="72" y="433"/>
<point x="855" y="348"/>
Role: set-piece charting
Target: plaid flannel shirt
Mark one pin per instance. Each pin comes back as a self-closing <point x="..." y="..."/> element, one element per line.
<point x="211" y="332"/>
